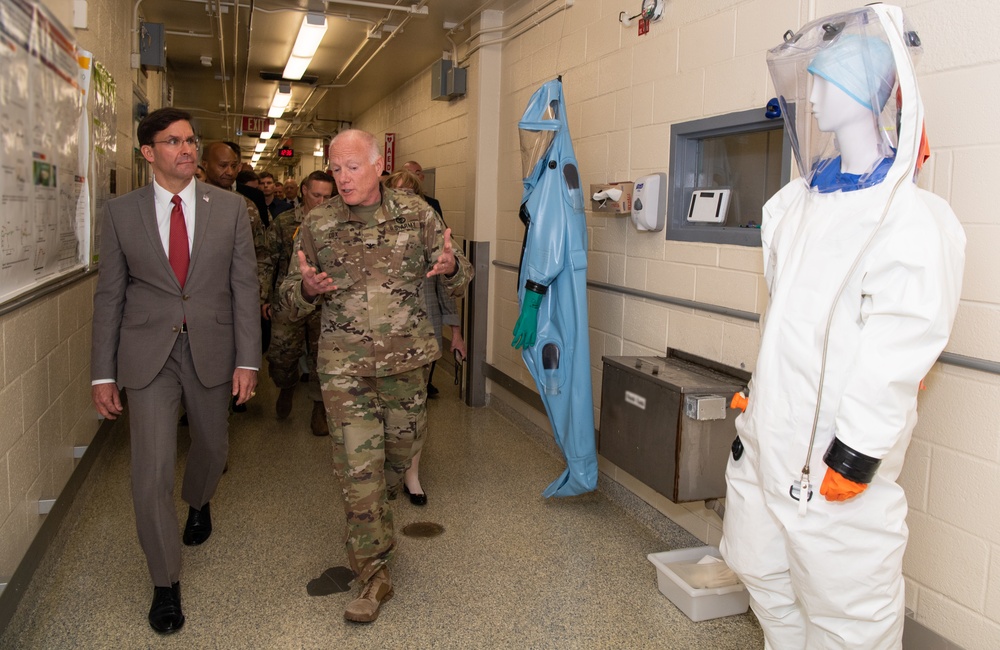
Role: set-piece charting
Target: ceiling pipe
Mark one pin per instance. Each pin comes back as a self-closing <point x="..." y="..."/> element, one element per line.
<point x="174" y="32"/>
<point x="524" y="18"/>
<point x="386" y="41"/>
<point x="246" y="69"/>
<point x="236" y="62"/>
<point x="458" y="25"/>
<point x="329" y="14"/>
<point x="222" y="59"/>
<point x="419" y="9"/>
<point x="566" y="5"/>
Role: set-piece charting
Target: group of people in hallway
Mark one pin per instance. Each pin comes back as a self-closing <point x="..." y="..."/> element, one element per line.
<point x="189" y="272"/>
<point x="863" y="272"/>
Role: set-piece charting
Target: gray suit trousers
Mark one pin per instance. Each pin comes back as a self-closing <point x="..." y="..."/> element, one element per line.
<point x="153" y="411"/>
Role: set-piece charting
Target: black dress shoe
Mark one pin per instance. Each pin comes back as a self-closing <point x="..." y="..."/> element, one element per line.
<point x="165" y="615"/>
<point x="418" y="499"/>
<point x="199" y="525"/>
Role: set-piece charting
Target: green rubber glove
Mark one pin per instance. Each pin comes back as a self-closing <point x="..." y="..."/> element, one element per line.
<point x="526" y="327"/>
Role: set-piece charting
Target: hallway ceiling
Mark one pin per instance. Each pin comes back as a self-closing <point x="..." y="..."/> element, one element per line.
<point x="350" y="72"/>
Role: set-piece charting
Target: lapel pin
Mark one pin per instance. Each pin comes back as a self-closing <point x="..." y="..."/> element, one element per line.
<point x="205" y="198"/>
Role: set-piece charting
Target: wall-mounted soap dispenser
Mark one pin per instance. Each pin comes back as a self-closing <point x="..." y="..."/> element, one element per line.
<point x="649" y="202"/>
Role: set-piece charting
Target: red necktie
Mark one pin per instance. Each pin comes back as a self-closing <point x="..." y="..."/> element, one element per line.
<point x="179" y="254"/>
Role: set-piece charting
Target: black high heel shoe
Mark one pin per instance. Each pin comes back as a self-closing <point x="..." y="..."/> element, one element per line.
<point x="419" y="499"/>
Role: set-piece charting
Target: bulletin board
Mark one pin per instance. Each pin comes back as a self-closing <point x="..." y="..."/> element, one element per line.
<point x="45" y="212"/>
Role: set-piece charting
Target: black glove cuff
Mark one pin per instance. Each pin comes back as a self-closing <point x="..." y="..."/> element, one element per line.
<point x="851" y="464"/>
<point x="534" y="286"/>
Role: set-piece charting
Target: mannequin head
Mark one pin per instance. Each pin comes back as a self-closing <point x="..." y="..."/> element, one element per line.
<point x="834" y="80"/>
<point x="852" y="80"/>
<point x="834" y="109"/>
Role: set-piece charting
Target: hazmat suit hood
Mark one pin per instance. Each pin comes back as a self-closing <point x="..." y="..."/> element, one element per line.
<point x="860" y="61"/>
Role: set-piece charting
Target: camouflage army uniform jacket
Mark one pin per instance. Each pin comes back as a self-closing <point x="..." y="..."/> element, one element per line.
<point x="274" y="260"/>
<point x="256" y="225"/>
<point x="257" y="230"/>
<point x="375" y="323"/>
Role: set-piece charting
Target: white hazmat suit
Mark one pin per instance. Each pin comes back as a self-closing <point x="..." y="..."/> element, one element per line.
<point x="864" y="273"/>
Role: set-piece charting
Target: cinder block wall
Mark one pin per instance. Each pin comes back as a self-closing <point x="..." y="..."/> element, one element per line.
<point x="703" y="59"/>
<point x="45" y="407"/>
<point x="434" y="133"/>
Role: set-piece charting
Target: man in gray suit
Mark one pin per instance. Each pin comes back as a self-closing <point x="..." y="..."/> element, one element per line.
<point x="175" y="320"/>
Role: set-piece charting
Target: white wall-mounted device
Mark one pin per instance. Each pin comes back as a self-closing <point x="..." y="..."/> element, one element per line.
<point x="649" y="202"/>
<point x="708" y="206"/>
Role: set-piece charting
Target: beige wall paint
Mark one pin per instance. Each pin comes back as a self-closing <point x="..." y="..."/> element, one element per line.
<point x="433" y="133"/>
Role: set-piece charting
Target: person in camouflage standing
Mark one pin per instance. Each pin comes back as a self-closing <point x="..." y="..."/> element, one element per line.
<point x="362" y="259"/>
<point x="287" y="338"/>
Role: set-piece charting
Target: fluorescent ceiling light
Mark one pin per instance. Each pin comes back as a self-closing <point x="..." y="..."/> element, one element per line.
<point x="318" y="153"/>
<point x="310" y="35"/>
<point x="260" y="147"/>
<point x="282" y="97"/>
<point x="306" y="43"/>
<point x="270" y="131"/>
<point x="255" y="158"/>
<point x="296" y="67"/>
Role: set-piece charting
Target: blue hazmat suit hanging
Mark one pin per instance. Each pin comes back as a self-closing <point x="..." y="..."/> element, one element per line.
<point x="552" y="328"/>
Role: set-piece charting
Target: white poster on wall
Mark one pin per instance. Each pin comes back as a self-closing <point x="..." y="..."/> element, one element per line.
<point x="44" y="211"/>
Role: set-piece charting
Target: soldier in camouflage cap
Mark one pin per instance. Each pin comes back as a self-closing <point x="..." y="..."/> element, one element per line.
<point x="362" y="259"/>
<point x="288" y="338"/>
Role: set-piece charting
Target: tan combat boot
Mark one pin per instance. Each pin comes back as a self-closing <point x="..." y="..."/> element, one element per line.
<point x="364" y="608"/>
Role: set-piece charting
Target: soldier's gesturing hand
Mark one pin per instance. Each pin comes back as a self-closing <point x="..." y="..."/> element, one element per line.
<point x="313" y="283"/>
<point x="446" y="262"/>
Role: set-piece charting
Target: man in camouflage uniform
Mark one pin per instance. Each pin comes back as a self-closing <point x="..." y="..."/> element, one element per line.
<point x="362" y="259"/>
<point x="288" y="338"/>
<point x="221" y="165"/>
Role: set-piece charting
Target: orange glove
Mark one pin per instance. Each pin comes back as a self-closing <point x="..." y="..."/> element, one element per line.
<point x="837" y="488"/>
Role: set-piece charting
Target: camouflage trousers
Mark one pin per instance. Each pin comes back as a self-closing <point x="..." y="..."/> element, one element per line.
<point x="377" y="425"/>
<point x="288" y="343"/>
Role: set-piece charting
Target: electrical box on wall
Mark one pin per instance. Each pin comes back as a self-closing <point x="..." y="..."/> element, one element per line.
<point x="447" y="80"/>
<point x="152" y="49"/>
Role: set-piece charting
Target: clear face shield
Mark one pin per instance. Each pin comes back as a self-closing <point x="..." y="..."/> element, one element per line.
<point x="535" y="144"/>
<point x="836" y="83"/>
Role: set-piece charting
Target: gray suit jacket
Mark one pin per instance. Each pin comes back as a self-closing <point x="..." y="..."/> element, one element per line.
<point x="139" y="305"/>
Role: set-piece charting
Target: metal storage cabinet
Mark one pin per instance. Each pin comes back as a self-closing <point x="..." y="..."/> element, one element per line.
<point x="667" y="422"/>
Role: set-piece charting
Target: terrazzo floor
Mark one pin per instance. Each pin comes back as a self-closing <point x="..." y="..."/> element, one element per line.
<point x="511" y="569"/>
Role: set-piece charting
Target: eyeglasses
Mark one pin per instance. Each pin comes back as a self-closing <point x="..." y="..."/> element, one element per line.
<point x="173" y="143"/>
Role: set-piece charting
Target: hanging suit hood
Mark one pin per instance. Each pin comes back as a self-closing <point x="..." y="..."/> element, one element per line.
<point x="554" y="268"/>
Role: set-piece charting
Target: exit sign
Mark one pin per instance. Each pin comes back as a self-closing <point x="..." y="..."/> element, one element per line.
<point x="286" y="152"/>
<point x="255" y="124"/>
